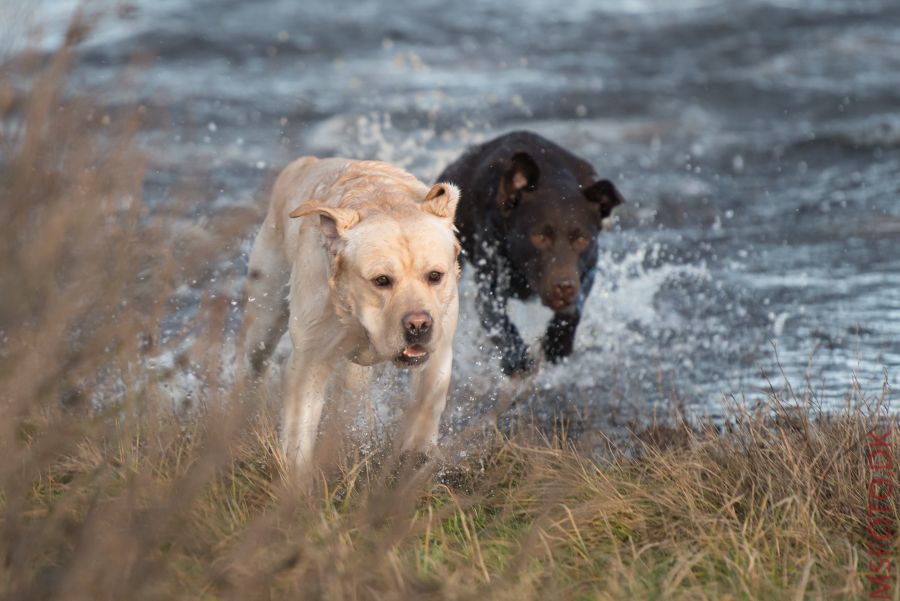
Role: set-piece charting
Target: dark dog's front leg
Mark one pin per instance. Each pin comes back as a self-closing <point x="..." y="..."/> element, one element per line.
<point x="560" y="336"/>
<point x="491" y="303"/>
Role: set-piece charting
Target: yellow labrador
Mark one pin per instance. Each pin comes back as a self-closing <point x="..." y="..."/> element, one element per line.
<point x="367" y="273"/>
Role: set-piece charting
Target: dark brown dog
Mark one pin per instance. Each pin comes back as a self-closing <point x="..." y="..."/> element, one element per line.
<point x="528" y="218"/>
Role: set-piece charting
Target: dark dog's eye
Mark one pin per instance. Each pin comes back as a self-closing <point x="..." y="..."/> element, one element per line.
<point x="382" y="281"/>
<point x="435" y="276"/>
<point x="540" y="240"/>
<point x="580" y="243"/>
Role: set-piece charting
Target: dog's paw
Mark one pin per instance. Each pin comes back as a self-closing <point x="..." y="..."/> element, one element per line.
<point x="413" y="459"/>
<point x="555" y="350"/>
<point x="518" y="363"/>
<point x="415" y="463"/>
<point x="555" y="355"/>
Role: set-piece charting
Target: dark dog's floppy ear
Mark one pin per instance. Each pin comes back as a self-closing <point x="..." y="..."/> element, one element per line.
<point x="521" y="174"/>
<point x="333" y="222"/>
<point x="603" y="197"/>
<point x="441" y="201"/>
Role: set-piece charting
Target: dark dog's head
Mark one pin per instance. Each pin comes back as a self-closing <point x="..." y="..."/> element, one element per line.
<point x="552" y="221"/>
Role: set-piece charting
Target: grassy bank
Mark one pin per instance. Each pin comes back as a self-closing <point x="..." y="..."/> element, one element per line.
<point x="151" y="507"/>
<point x="107" y="491"/>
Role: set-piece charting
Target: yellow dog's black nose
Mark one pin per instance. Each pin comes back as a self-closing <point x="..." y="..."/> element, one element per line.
<point x="417" y="325"/>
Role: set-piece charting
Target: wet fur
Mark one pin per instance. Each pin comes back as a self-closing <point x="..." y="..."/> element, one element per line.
<point x="332" y="226"/>
<point x="514" y="188"/>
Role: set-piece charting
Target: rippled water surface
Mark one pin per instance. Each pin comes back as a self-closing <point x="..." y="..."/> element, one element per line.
<point x="756" y="142"/>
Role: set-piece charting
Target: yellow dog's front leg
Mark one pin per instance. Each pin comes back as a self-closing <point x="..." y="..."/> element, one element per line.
<point x="305" y="383"/>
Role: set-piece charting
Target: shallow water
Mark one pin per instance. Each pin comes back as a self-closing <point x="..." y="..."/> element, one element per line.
<point x="757" y="144"/>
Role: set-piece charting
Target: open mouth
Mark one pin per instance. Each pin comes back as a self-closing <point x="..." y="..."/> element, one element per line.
<point x="414" y="354"/>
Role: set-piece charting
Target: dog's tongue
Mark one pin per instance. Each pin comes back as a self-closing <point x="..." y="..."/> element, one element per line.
<point x="415" y="351"/>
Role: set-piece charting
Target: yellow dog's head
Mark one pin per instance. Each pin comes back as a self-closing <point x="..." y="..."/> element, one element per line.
<point x="395" y="272"/>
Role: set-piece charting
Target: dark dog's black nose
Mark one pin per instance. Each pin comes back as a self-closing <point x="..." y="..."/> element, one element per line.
<point x="417" y="325"/>
<point x="565" y="290"/>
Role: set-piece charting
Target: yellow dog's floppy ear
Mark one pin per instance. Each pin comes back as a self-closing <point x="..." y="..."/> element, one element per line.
<point x="333" y="221"/>
<point x="441" y="201"/>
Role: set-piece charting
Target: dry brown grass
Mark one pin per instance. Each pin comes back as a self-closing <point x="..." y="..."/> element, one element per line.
<point x="107" y="493"/>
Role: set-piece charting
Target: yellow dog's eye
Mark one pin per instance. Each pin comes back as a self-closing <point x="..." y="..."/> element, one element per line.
<point x="434" y="277"/>
<point x="382" y="281"/>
